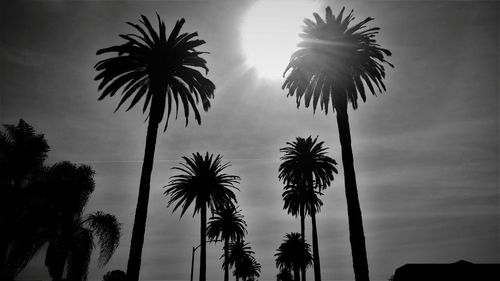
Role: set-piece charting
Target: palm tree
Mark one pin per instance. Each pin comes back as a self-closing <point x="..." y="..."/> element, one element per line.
<point x="64" y="191"/>
<point x="73" y="245"/>
<point x="304" y="163"/>
<point x="22" y="154"/>
<point x="68" y="188"/>
<point x="248" y="269"/>
<point x="228" y="223"/>
<point x="164" y="70"/>
<point x="201" y="180"/>
<point x="307" y="201"/>
<point x="240" y="256"/>
<point x="333" y="61"/>
<point x="293" y="254"/>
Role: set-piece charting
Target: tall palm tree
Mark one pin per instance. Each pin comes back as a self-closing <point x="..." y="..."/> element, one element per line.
<point x="228" y="223"/>
<point x="163" y="70"/>
<point x="201" y="180"/>
<point x="304" y="163"/>
<point x="22" y="154"/>
<point x="293" y="254"/>
<point x="331" y="64"/>
<point x="306" y="200"/>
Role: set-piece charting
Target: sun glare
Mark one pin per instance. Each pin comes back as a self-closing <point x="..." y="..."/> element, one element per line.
<point x="270" y="34"/>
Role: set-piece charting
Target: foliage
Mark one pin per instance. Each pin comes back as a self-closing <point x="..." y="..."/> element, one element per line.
<point x="305" y="162"/>
<point x="226" y="223"/>
<point x="161" y="69"/>
<point x="201" y="181"/>
<point x="115" y="275"/>
<point x="333" y="61"/>
<point x="293" y="253"/>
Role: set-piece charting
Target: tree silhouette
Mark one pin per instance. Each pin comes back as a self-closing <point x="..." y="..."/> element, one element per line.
<point x="228" y="223"/>
<point x="303" y="198"/>
<point x="293" y="254"/>
<point x="305" y="165"/>
<point x="240" y="256"/>
<point x="22" y="154"/>
<point x="333" y="61"/>
<point x="71" y="236"/>
<point x="248" y="269"/>
<point x="115" y="275"/>
<point x="284" y="275"/>
<point x="163" y="70"/>
<point x="203" y="182"/>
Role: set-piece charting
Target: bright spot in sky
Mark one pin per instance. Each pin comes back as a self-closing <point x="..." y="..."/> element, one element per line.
<point x="270" y="33"/>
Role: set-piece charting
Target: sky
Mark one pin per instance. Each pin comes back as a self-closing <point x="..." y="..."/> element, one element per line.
<point x="426" y="152"/>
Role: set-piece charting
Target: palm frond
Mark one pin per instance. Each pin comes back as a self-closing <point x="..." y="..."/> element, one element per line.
<point x="80" y="253"/>
<point x="107" y="229"/>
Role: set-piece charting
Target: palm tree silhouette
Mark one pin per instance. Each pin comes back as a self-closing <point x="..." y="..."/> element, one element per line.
<point x="71" y="235"/>
<point x="330" y="66"/>
<point x="163" y="70"/>
<point x="248" y="269"/>
<point x="305" y="165"/>
<point x="293" y="254"/>
<point x="284" y="275"/>
<point x="22" y="154"/>
<point x="240" y="256"/>
<point x="303" y="198"/>
<point x="202" y="181"/>
<point x="228" y="223"/>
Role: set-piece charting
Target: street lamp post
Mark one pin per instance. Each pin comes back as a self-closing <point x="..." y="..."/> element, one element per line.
<point x="192" y="256"/>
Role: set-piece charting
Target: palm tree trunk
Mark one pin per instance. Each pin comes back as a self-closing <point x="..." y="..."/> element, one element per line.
<point x="303" y="232"/>
<point x="4" y="246"/>
<point x="356" y="234"/>
<point x="226" y="256"/>
<point x="141" y="211"/>
<point x="317" y="268"/>
<point x="203" y="243"/>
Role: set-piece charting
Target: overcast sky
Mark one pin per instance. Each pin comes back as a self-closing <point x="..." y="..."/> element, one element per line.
<point x="426" y="152"/>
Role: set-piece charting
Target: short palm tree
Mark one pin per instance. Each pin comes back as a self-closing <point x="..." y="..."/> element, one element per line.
<point x="228" y="224"/>
<point x="248" y="269"/>
<point x="333" y="61"/>
<point x="240" y="256"/>
<point x="304" y="165"/>
<point x="203" y="182"/>
<point x="293" y="254"/>
<point x="67" y="188"/>
<point x="72" y="246"/>
<point x="305" y="200"/>
<point x="22" y="154"/>
<point x="164" y="71"/>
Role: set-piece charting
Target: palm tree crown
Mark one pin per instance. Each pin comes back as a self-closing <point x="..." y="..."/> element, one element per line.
<point x="293" y="253"/>
<point x="333" y="61"/>
<point x="226" y="223"/>
<point x="305" y="161"/>
<point x="162" y="69"/>
<point x="203" y="182"/>
<point x="301" y="200"/>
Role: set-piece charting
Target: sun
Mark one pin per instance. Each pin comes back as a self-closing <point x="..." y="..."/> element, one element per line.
<point x="270" y="33"/>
